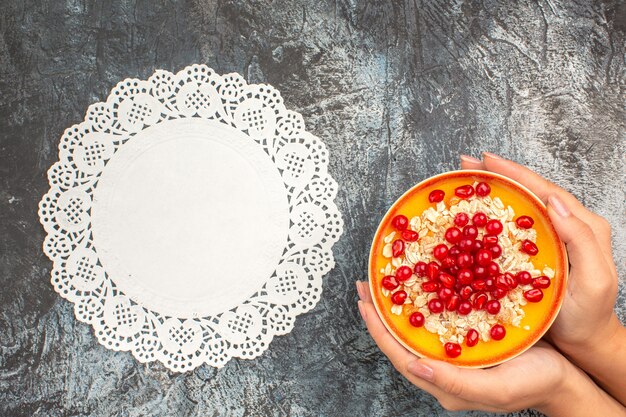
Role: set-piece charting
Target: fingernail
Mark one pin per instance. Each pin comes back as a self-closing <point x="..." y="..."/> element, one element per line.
<point x="362" y="310"/>
<point x="471" y="159"/>
<point x="557" y="204"/>
<point x="417" y="368"/>
<point x="359" y="290"/>
<point x="492" y="155"/>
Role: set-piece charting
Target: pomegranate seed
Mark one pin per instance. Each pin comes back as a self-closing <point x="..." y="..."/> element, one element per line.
<point x="493" y="268"/>
<point x="471" y="339"/>
<point x="397" y="248"/>
<point x="498" y="293"/>
<point x="432" y="270"/>
<point x="493" y="227"/>
<point x="398" y="297"/>
<point x="470" y="231"/>
<point x="436" y="196"/>
<point x="464" y="308"/>
<point x="524" y="222"/>
<point x="454" y="270"/>
<point x="464" y="191"/>
<point x="510" y="280"/>
<point x="409" y="235"/>
<point x="464" y="260"/>
<point x="476" y="246"/>
<point x="444" y="293"/>
<point x="497" y="332"/>
<point x="453" y="350"/>
<point x="454" y="251"/>
<point x="403" y="273"/>
<point x="461" y="219"/>
<point x="479" y="300"/>
<point x="465" y="276"/>
<point x="435" y="305"/>
<point x="448" y="262"/>
<point x="440" y="251"/>
<point x="480" y="271"/>
<point x="453" y="235"/>
<point x="478" y="284"/>
<point x="496" y="251"/>
<point x="479" y="219"/>
<point x="400" y="222"/>
<point x="389" y="282"/>
<point x="430" y="286"/>
<point x="466" y="292"/>
<point x="453" y="302"/>
<point x="523" y="277"/>
<point x="466" y="244"/>
<point x="490" y="240"/>
<point x="420" y="269"/>
<point x="489" y="284"/>
<point x="529" y="247"/>
<point x="446" y="280"/>
<point x="541" y="282"/>
<point x="417" y="319"/>
<point x="483" y="189"/>
<point x="502" y="282"/>
<point x="483" y="257"/>
<point x="534" y="296"/>
<point x="493" y="307"/>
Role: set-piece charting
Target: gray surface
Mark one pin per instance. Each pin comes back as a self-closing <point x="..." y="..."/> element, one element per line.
<point x="396" y="90"/>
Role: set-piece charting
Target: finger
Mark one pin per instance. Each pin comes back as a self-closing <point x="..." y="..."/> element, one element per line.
<point x="469" y="162"/>
<point x="363" y="289"/>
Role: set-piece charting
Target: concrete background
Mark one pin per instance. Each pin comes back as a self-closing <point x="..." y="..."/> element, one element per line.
<point x="396" y="89"/>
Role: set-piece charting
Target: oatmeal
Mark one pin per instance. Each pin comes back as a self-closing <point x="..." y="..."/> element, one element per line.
<point x="463" y="270"/>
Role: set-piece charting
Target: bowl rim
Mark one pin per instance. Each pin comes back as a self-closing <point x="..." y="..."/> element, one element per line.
<point x="469" y="172"/>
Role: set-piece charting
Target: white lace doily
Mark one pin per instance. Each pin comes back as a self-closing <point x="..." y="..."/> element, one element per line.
<point x="190" y="218"/>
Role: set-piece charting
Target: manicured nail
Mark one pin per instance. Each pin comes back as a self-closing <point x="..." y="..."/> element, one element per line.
<point x="492" y="155"/>
<point x="557" y="204"/>
<point x="362" y="310"/>
<point x="359" y="290"/>
<point x="421" y="370"/>
<point x="470" y="159"/>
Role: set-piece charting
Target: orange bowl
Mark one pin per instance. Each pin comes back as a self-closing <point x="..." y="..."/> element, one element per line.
<point x="537" y="316"/>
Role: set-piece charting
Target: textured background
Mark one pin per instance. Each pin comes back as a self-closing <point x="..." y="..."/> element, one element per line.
<point x="396" y="90"/>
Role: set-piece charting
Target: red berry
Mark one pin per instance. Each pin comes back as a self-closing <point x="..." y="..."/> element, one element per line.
<point x="430" y="286"/>
<point x="470" y="231"/>
<point x="471" y="339"/>
<point x="479" y="219"/>
<point x="453" y="235"/>
<point x="464" y="260"/>
<point x="490" y="240"/>
<point x="466" y="292"/>
<point x="432" y="270"/>
<point x="398" y="297"/>
<point x="480" y="300"/>
<point x="461" y="219"/>
<point x="389" y="282"/>
<point x="529" y="247"/>
<point x="497" y="332"/>
<point x="466" y="244"/>
<point x="448" y="262"/>
<point x="483" y="257"/>
<point x="479" y="284"/>
<point x="420" y="269"/>
<point x="498" y="293"/>
<point x="397" y="248"/>
<point x="483" y="189"/>
<point x="440" y="251"/>
<point x="493" y="307"/>
<point x="444" y="293"/>
<point x="435" y="305"/>
<point x="453" y="302"/>
<point x="480" y="271"/>
<point x="453" y="350"/>
<point x="534" y="296"/>
<point x="464" y="191"/>
<point x="524" y="222"/>
<point x="464" y="308"/>
<point x="523" y="277"/>
<point x="446" y="279"/>
<point x="476" y="246"/>
<point x="493" y="268"/>
<point x="465" y="276"/>
<point x="409" y="235"/>
<point x="541" y="282"/>
<point x="493" y="227"/>
<point x="417" y="319"/>
<point x="454" y="251"/>
<point x="403" y="273"/>
<point x="400" y="222"/>
<point x="436" y="196"/>
<point x="495" y="250"/>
